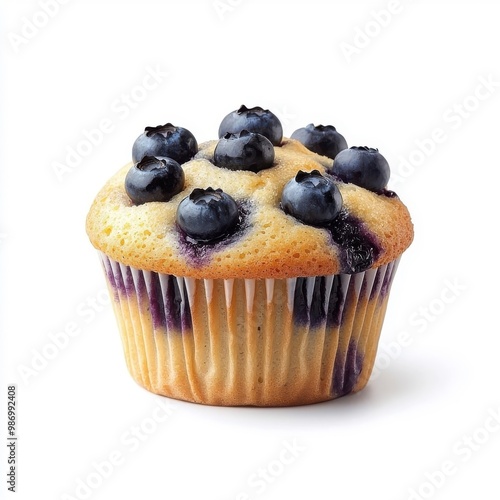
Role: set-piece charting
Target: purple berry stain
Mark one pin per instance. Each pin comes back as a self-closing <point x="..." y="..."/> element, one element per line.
<point x="358" y="247"/>
<point x="345" y="376"/>
<point x="199" y="253"/>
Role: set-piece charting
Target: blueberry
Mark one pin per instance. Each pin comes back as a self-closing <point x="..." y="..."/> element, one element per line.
<point x="244" y="151"/>
<point x="322" y="139"/>
<point x="207" y="214"/>
<point x="312" y="198"/>
<point x="362" y="166"/>
<point x="359" y="247"/>
<point x="154" y="179"/>
<point x="258" y="120"/>
<point x="167" y="141"/>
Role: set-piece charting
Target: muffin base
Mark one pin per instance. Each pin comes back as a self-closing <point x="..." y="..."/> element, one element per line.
<point x="246" y="342"/>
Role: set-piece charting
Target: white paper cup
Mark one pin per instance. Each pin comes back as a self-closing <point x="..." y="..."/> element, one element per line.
<point x="268" y="342"/>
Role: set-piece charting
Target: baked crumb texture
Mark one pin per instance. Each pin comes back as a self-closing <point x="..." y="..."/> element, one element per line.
<point x="271" y="244"/>
<point x="271" y="315"/>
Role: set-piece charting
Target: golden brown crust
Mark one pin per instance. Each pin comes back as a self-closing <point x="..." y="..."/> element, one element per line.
<point x="274" y="245"/>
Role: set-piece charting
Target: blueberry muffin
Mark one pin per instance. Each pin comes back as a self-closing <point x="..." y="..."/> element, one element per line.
<point x="254" y="269"/>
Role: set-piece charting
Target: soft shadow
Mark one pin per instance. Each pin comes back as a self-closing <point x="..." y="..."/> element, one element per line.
<point x="395" y="388"/>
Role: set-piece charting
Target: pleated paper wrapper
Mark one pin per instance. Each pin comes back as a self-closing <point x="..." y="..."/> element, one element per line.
<point x="235" y="342"/>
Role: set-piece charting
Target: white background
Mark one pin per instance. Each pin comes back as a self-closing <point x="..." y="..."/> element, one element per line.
<point x="417" y="78"/>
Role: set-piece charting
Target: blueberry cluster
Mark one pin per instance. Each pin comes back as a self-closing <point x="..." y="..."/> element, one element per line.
<point x="247" y="141"/>
<point x="247" y="137"/>
<point x="257" y="120"/>
<point x="157" y="154"/>
<point x="206" y="214"/>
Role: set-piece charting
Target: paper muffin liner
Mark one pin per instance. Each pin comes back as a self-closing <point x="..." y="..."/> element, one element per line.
<point x="267" y="342"/>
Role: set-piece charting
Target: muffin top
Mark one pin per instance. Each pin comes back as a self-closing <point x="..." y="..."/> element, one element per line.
<point x="251" y="205"/>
